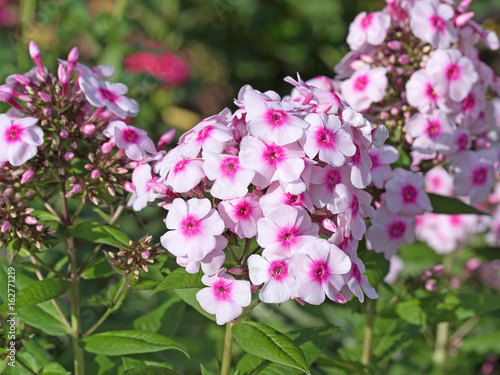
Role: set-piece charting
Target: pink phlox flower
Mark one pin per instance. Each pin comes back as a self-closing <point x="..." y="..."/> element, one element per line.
<point x="368" y="28"/>
<point x="240" y="215"/>
<point x="364" y="87"/>
<point x="181" y="174"/>
<point x="225" y="296"/>
<point x="109" y="95"/>
<point x="470" y="109"/>
<point x="380" y="135"/>
<point x="352" y="220"/>
<point x="141" y="177"/>
<point x="211" y="263"/>
<point x="273" y="272"/>
<point x="360" y="164"/>
<point x="452" y="75"/>
<point x="326" y="137"/>
<point x="301" y="184"/>
<point x="474" y="175"/>
<point x="211" y="134"/>
<point x="431" y="133"/>
<point x="276" y="197"/>
<point x="421" y="95"/>
<point x="382" y="158"/>
<point x="272" y="119"/>
<point x="231" y="180"/>
<point x="134" y="141"/>
<point x="389" y="232"/>
<point x="270" y="161"/>
<point x="19" y="139"/>
<point x="460" y="144"/>
<point x="240" y="102"/>
<point x="355" y="279"/>
<point x="405" y="193"/>
<point x="432" y="23"/>
<point x="193" y="227"/>
<point x="439" y="181"/>
<point x="284" y="229"/>
<point x="330" y="188"/>
<point x="318" y="93"/>
<point x="96" y="72"/>
<point x="318" y="268"/>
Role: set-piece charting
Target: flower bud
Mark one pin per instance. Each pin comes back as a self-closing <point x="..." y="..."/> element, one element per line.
<point x="27" y="176"/>
<point x="395" y="45"/>
<point x="430" y="285"/>
<point x="237" y="271"/>
<point x="68" y="156"/>
<point x="22" y="79"/>
<point x="45" y="97"/>
<point x="128" y="186"/>
<point x="63" y="75"/>
<point x="158" y="187"/>
<point x="145" y="255"/>
<point x="37" y="58"/>
<point x="107" y="147"/>
<point x="5" y="226"/>
<point x="462" y="19"/>
<point x="30" y="220"/>
<point x="165" y="139"/>
<point x="63" y="134"/>
<point x="47" y="112"/>
<point x="95" y="174"/>
<point x="404" y="59"/>
<point x="88" y="128"/>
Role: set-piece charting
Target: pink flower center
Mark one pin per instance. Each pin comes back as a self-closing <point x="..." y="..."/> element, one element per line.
<point x="274" y="155"/>
<point x="397" y="229"/>
<point x="204" y="133"/>
<point x="437" y="22"/>
<point x="453" y="72"/>
<point x="276" y="118"/>
<point x="332" y="179"/>
<point x="222" y="290"/>
<point x="325" y="138"/>
<point x="366" y="21"/>
<point x="455" y="220"/>
<point x="229" y="167"/>
<point x="293" y="200"/>
<point x="189" y="226"/>
<point x="469" y="103"/>
<point x="13" y="134"/>
<point x="462" y="142"/>
<point x="433" y="128"/>
<point x="409" y="194"/>
<point x="287" y="237"/>
<point x="375" y="161"/>
<point x="130" y="136"/>
<point x="180" y="166"/>
<point x="430" y="93"/>
<point x="480" y="175"/>
<point x="319" y="272"/>
<point x="278" y="270"/>
<point x="108" y="95"/>
<point x="243" y="210"/>
<point x="360" y="83"/>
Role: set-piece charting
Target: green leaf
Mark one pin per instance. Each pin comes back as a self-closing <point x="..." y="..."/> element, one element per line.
<point x="113" y="343"/>
<point x="376" y="265"/>
<point x="349" y="366"/>
<point x="38" y="292"/>
<point x="204" y="371"/>
<point x="482" y="344"/>
<point x="180" y="279"/>
<point x="452" y="206"/>
<point x="189" y="296"/>
<point x="146" y="284"/>
<point x="44" y="317"/>
<point x="45" y="216"/>
<point x="152" y="321"/>
<point x="149" y="370"/>
<point x="54" y="368"/>
<point x="411" y="311"/>
<point x="265" y="342"/>
<point x="98" y="270"/>
<point x="130" y="363"/>
<point x="99" y="233"/>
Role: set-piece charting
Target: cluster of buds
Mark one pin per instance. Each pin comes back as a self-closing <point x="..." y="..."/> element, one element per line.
<point x="135" y="257"/>
<point x="17" y="225"/>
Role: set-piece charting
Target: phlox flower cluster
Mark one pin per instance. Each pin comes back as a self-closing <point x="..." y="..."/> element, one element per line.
<point x="64" y="132"/>
<point x="414" y="67"/>
<point x="288" y="172"/>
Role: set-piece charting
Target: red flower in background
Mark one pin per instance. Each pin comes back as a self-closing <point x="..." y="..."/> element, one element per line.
<point x="167" y="67"/>
<point x="8" y="15"/>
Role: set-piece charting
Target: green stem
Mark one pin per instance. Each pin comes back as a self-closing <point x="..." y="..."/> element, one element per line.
<point x="228" y="345"/>
<point x="440" y="351"/>
<point x="24" y="365"/>
<point x="371" y="314"/>
<point x="247" y="311"/>
<point x="107" y="312"/>
<point x="246" y="249"/>
<point x="49" y="268"/>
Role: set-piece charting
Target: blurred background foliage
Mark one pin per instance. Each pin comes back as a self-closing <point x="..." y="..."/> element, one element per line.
<point x="185" y="60"/>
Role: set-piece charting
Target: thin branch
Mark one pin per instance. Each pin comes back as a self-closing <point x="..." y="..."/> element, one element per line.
<point x="247" y="311"/>
<point x="49" y="268"/>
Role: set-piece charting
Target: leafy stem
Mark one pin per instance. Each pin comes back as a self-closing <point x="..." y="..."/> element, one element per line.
<point x="228" y="345"/>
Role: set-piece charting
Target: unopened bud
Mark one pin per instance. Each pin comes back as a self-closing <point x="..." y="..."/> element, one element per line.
<point x="144" y="267"/>
<point x="95" y="174"/>
<point x="37" y="58"/>
<point x="395" y="45"/>
<point x="88" y="128"/>
<point x="254" y="288"/>
<point x="30" y="220"/>
<point x="40" y="227"/>
<point x="45" y="97"/>
<point x="68" y="156"/>
<point x="5" y="226"/>
<point x="63" y="134"/>
<point x="128" y="186"/>
<point x="462" y="19"/>
<point x="165" y="139"/>
<point x="63" y="75"/>
<point x="430" y="285"/>
<point x="158" y="188"/>
<point x="237" y="271"/>
<point x="47" y="112"/>
<point x="404" y="59"/>
<point x="27" y="176"/>
<point x="22" y="79"/>
<point x="107" y="147"/>
<point x="145" y="255"/>
<point x="110" y="190"/>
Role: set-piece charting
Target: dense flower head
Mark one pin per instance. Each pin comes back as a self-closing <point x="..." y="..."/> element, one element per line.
<point x="422" y="78"/>
<point x="280" y="172"/>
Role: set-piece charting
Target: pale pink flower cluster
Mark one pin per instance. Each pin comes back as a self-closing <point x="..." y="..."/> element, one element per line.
<point x="426" y="80"/>
<point x="415" y="67"/>
<point x="289" y="172"/>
